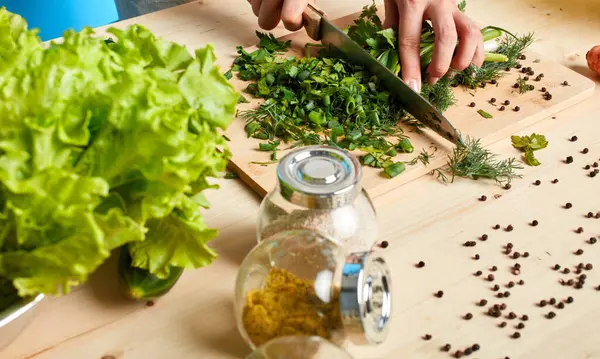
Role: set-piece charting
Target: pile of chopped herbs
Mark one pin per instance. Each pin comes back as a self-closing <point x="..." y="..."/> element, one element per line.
<point x="327" y="100"/>
<point x="529" y="144"/>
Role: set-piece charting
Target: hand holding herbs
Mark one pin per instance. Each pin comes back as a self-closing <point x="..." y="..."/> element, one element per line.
<point x="328" y="100"/>
<point x="101" y="145"/>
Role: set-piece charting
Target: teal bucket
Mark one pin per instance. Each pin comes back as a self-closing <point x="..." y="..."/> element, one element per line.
<point x="53" y="17"/>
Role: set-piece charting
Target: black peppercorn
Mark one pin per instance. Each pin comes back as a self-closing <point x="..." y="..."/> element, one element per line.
<point x="525" y="254"/>
<point x="503" y="306"/>
<point x="468" y="316"/>
<point x="555" y="180"/>
<point x="517" y="108"/>
<point x="552" y="301"/>
<point x="551" y="315"/>
<point x="509" y="228"/>
<point x="541" y="74"/>
<point x="560" y="305"/>
<point x="556" y="267"/>
<point x="543" y="89"/>
<point x="500" y="295"/>
<point x="522" y="57"/>
<point x="543" y="303"/>
<point x="566" y="271"/>
<point x="570" y="300"/>
<point x="496" y="287"/>
<point x="593" y="174"/>
<point x="595" y="164"/>
<point x="521" y="282"/>
<point x="476" y="257"/>
<point x="472" y="104"/>
<point x="482" y="198"/>
<point x="509" y="245"/>
<point x="524" y="317"/>
<point x="517" y="266"/>
<point x="510" y="284"/>
<point x="566" y="83"/>
<point x="579" y="252"/>
<point x="458" y="354"/>
<point x="579" y="285"/>
<point x="585" y="151"/>
<point x="516" y="255"/>
<point x="503" y="324"/>
<point x="384" y="244"/>
<point x="516" y="335"/>
<point x="582" y="277"/>
<point x="493" y="100"/>
<point x="579" y="230"/>
<point x="587" y="167"/>
<point x="537" y="182"/>
<point x="497" y="226"/>
<point x="574" y="138"/>
<point x="478" y="273"/>
<point x="427" y="336"/>
<point x="484" y="237"/>
<point x="520" y="326"/>
<point x="570" y="282"/>
<point x="578" y="271"/>
<point x="589" y="266"/>
<point x="421" y="264"/>
<point x="524" y="70"/>
<point x="531" y="73"/>
<point x="516" y="85"/>
<point x="590" y="215"/>
<point x="506" y="294"/>
<point x="548" y="96"/>
<point x="494" y="268"/>
<point x="494" y="81"/>
<point x="483" y="302"/>
<point x="490" y="277"/>
<point x="468" y="351"/>
<point x="439" y="294"/>
<point x="502" y="108"/>
<point x="512" y="315"/>
<point x="446" y="348"/>
<point x="568" y="205"/>
<point x="526" y="78"/>
<point x="569" y="159"/>
<point x="475" y="347"/>
<point x="592" y="240"/>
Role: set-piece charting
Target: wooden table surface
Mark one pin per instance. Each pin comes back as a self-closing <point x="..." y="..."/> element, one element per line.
<point x="422" y="220"/>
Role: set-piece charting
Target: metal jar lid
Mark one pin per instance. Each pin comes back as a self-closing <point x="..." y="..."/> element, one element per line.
<point x="365" y="298"/>
<point x="319" y="177"/>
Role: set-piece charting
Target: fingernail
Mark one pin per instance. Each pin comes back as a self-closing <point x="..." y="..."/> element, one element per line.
<point x="414" y="85"/>
<point x="433" y="80"/>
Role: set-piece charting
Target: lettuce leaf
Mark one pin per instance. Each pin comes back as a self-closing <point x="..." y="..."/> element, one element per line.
<point x="104" y="144"/>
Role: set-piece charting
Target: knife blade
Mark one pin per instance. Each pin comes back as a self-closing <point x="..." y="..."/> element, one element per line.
<point x="319" y="28"/>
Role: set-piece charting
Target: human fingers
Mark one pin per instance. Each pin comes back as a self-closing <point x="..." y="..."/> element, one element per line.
<point x="291" y="13"/>
<point x="440" y="14"/>
<point x="391" y="14"/>
<point x="410" y="18"/>
<point x="255" y="6"/>
<point x="470" y="43"/>
<point x="269" y="14"/>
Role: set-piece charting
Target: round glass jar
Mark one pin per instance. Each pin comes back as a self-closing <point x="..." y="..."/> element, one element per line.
<point x="319" y="189"/>
<point x="300" y="283"/>
<point x="299" y="347"/>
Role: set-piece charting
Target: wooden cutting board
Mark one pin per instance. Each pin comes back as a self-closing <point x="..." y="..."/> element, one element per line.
<point x="533" y="108"/>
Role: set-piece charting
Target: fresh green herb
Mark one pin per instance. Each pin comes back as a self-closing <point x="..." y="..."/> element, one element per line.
<point x="471" y="160"/>
<point x="523" y="85"/>
<point x="462" y="5"/>
<point x="529" y="144"/>
<point x="484" y="114"/>
<point x="271" y="146"/>
<point x="243" y="99"/>
<point x="105" y="145"/>
<point x="405" y="146"/>
<point x="424" y="157"/>
<point x="231" y="175"/>
<point x="8" y="294"/>
<point x="395" y="169"/>
<point x="271" y="44"/>
<point x="263" y="163"/>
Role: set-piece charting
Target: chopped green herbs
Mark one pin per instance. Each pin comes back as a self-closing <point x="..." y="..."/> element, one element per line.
<point x="328" y="100"/>
<point x="523" y="85"/>
<point x="484" y="114"/>
<point x="230" y="175"/>
<point x="423" y="157"/>
<point x="471" y="160"/>
<point x="529" y="144"/>
<point x="395" y="169"/>
<point x="270" y="146"/>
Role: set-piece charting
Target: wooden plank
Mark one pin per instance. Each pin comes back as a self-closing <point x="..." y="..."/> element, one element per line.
<point x="533" y="108"/>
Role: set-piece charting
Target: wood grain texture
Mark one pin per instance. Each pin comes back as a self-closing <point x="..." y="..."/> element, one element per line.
<point x="248" y="162"/>
<point x="422" y="220"/>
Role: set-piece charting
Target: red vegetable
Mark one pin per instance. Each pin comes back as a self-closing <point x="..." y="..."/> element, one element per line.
<point x="593" y="59"/>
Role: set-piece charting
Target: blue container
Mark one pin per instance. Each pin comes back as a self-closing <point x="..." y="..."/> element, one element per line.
<point x="53" y="17"/>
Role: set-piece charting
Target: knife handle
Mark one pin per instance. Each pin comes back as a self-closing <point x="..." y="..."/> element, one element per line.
<point x="312" y="21"/>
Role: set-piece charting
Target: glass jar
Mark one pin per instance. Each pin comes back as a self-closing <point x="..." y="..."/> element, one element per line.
<point x="299" y="347"/>
<point x="319" y="189"/>
<point x="299" y="282"/>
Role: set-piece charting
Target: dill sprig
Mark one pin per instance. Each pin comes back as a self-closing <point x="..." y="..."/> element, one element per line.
<point x="472" y="160"/>
<point x="424" y="157"/>
<point x="523" y="85"/>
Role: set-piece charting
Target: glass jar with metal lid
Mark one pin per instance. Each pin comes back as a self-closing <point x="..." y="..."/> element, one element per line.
<point x="299" y="347"/>
<point x="319" y="189"/>
<point x="299" y="282"/>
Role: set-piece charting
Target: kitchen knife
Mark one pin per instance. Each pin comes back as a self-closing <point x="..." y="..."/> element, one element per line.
<point x="319" y="28"/>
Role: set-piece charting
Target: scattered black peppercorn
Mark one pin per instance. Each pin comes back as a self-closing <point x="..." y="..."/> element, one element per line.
<point x="439" y="294"/>
<point x="570" y="282"/>
<point x="508" y="185"/>
<point x="427" y="336"/>
<point x="516" y="255"/>
<point x="502" y="108"/>
<point x="595" y="164"/>
<point x="503" y="324"/>
<point x="525" y="254"/>
<point x="598" y="287"/>
<point x="524" y="317"/>
<point x="509" y="245"/>
<point x="537" y="182"/>
<point x="493" y="100"/>
<point x="507" y="102"/>
<point x="569" y="159"/>
<point x="568" y="205"/>
<point x="587" y="167"/>
<point x="521" y="282"/>
<point x="570" y="300"/>
<point x="579" y="252"/>
<point x="592" y="240"/>
<point x="490" y="277"/>
<point x="541" y="75"/>
<point x="494" y="268"/>
<point x="579" y="285"/>
<point x="512" y="315"/>
<point x="552" y="301"/>
<point x="550" y="315"/>
<point x="589" y="266"/>
<point x="472" y="104"/>
<point x="506" y="294"/>
<point x="500" y="295"/>
<point x="585" y="151"/>
<point x="516" y="335"/>
<point x="476" y="257"/>
<point x="516" y="85"/>
<point x="482" y="198"/>
<point x="578" y="271"/>
<point x="566" y="83"/>
<point x="556" y="266"/>
<point x="468" y="351"/>
<point x="574" y="138"/>
<point x="522" y="57"/>
<point x="446" y="348"/>
<point x="150" y="303"/>
<point x="526" y="78"/>
<point x="484" y="237"/>
<point x="579" y="230"/>
<point x="458" y="354"/>
<point x="421" y="264"/>
<point x="478" y="273"/>
<point x="543" y="89"/>
<point x="520" y="325"/>
<point x="590" y="215"/>
<point x="555" y="180"/>
<point x="497" y="226"/>
<point x="384" y="244"/>
<point x="593" y="174"/>
<point x="483" y="302"/>
<point x="475" y="347"/>
<point x="503" y="306"/>
<point x="543" y="303"/>
<point x="509" y="228"/>
<point x="517" y="108"/>
<point x="531" y="73"/>
<point x="496" y="287"/>
<point x="560" y="305"/>
<point x="582" y="277"/>
<point x="510" y="284"/>
<point x="468" y="316"/>
<point x="524" y="70"/>
<point x="566" y="271"/>
<point x="493" y="82"/>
